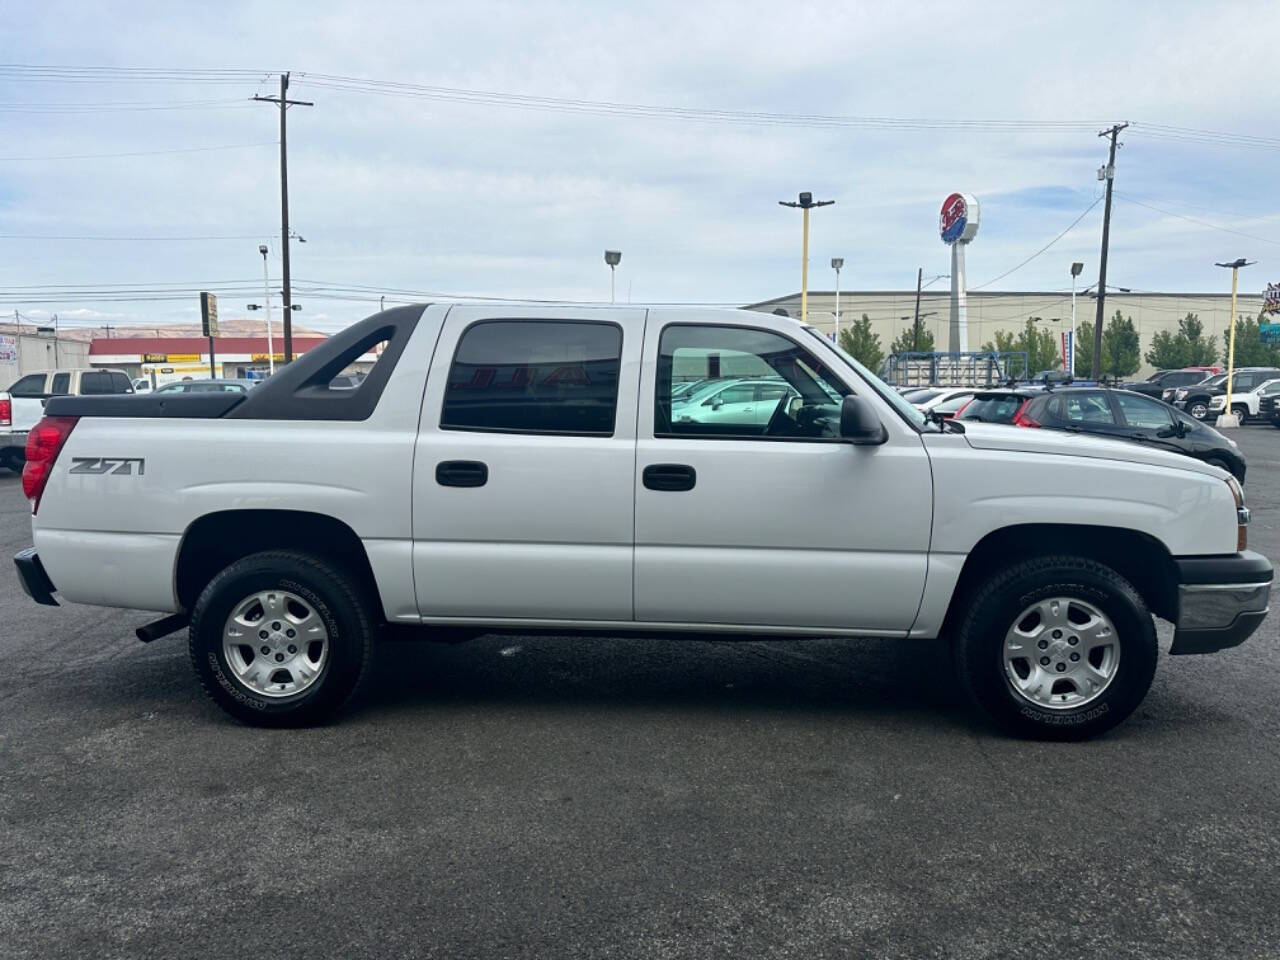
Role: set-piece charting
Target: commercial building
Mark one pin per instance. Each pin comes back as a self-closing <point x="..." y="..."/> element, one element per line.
<point x="23" y="352"/>
<point x="163" y="359"/>
<point x="891" y="312"/>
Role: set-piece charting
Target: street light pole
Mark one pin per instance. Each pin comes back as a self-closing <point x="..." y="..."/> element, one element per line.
<point x="612" y="258"/>
<point x="1076" y="268"/>
<point x="266" y="292"/>
<point x="836" y="264"/>
<point x="1228" y="417"/>
<point x="805" y="203"/>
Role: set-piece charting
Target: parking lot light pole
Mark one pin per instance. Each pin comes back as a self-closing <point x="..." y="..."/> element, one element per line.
<point x="612" y="258"/>
<point x="805" y="203"/>
<point x="266" y="292"/>
<point x="1076" y="269"/>
<point x="836" y="264"/>
<point x="1228" y="417"/>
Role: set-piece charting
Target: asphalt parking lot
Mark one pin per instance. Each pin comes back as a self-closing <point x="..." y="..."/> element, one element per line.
<point x="545" y="797"/>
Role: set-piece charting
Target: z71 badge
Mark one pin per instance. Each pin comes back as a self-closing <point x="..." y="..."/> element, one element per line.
<point x="113" y="465"/>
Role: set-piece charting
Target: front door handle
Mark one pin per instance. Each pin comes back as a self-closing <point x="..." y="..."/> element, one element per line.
<point x="669" y="476"/>
<point x="461" y="473"/>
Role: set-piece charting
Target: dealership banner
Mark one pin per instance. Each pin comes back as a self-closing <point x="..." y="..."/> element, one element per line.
<point x="1068" y="345"/>
<point x="1270" y="307"/>
<point x="8" y="349"/>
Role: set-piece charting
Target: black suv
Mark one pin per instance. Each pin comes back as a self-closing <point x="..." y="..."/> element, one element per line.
<point x="1162" y="380"/>
<point x="1195" y="399"/>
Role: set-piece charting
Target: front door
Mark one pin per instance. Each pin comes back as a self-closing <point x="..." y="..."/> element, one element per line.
<point x="522" y="483"/>
<point x="769" y="519"/>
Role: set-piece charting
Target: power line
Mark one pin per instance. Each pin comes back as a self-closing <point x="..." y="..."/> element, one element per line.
<point x="39" y="236"/>
<point x="1042" y="249"/>
<point x="1203" y="223"/>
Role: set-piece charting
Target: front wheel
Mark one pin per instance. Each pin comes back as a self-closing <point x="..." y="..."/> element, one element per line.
<point x="1057" y="648"/>
<point x="281" y="639"/>
<point x="1198" y="409"/>
<point x="1241" y="412"/>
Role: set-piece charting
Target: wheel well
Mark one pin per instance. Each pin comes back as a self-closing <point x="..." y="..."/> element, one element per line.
<point x="1141" y="559"/>
<point x="217" y="540"/>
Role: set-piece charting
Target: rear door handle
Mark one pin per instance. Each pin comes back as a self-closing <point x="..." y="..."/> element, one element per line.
<point x="461" y="473"/>
<point x="669" y="476"/>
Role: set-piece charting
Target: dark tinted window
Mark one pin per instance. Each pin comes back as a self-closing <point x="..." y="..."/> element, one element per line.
<point x="1184" y="378"/>
<point x="535" y="376"/>
<point x="95" y="381"/>
<point x="120" y="383"/>
<point x="61" y="384"/>
<point x="992" y="409"/>
<point x="32" y="385"/>
<point x="1087" y="408"/>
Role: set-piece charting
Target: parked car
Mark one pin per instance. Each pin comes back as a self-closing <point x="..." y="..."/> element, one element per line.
<point x="22" y="405"/>
<point x="1162" y="380"/>
<point x="731" y="400"/>
<point x="1196" y="398"/>
<point x="1000" y="405"/>
<point x="1125" y="415"/>
<point x="1247" y="404"/>
<point x="948" y="408"/>
<point x="521" y="468"/>
<point x="1269" y="407"/>
<point x="942" y="395"/>
<point x="207" y="386"/>
<point x="142" y="385"/>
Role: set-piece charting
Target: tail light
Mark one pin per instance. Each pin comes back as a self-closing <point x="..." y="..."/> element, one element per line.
<point x="1020" y="419"/>
<point x="6" y="412"/>
<point x="44" y="443"/>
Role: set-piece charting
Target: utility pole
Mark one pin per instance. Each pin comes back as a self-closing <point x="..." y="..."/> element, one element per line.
<point x="284" y="104"/>
<point x="915" y="325"/>
<point x="1108" y="173"/>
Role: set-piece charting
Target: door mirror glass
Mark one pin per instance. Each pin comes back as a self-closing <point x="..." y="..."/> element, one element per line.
<point x="859" y="423"/>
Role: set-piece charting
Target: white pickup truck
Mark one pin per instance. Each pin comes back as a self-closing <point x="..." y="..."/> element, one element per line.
<point x="22" y="405"/>
<point x="518" y="468"/>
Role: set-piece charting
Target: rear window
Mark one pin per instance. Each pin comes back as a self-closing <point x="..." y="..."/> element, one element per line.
<point x="95" y="382"/>
<point x="954" y="404"/>
<point x="61" y="385"/>
<point x="32" y="385"/>
<point x="120" y="383"/>
<point x="993" y="409"/>
<point x="920" y="396"/>
<point x="535" y="376"/>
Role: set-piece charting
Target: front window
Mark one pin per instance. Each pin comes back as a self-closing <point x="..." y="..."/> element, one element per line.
<point x="1143" y="413"/>
<point x="892" y="397"/>
<point x="760" y="385"/>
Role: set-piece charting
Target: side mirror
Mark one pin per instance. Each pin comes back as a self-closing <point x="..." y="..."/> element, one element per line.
<point x="716" y="402"/>
<point x="859" y="424"/>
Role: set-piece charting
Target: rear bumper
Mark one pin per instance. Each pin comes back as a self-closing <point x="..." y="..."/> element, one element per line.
<point x="13" y="438"/>
<point x="31" y="574"/>
<point x="1221" y="601"/>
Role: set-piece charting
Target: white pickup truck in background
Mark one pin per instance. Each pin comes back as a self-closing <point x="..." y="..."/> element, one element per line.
<point x="519" y="468"/>
<point x="22" y="405"/>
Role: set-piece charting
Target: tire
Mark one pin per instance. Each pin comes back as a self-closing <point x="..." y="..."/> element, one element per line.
<point x="289" y="597"/>
<point x="1126" y="655"/>
<point x="1198" y="409"/>
<point x="1241" y="411"/>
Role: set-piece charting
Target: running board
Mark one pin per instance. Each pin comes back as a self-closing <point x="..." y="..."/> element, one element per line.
<point x="162" y="627"/>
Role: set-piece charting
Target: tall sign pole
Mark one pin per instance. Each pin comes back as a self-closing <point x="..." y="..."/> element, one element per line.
<point x="284" y="104"/>
<point x="958" y="225"/>
<point x="915" y="323"/>
<point x="209" y="326"/>
<point x="1107" y="173"/>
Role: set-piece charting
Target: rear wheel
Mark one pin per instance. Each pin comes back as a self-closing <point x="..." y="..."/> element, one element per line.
<point x="281" y="639"/>
<point x="1057" y="648"/>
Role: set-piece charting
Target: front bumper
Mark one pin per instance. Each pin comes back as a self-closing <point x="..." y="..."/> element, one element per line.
<point x="1221" y="601"/>
<point x="35" y="582"/>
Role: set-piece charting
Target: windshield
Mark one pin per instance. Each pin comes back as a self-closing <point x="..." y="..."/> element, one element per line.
<point x="887" y="393"/>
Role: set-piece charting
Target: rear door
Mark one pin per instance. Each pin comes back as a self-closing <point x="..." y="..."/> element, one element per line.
<point x="522" y="488"/>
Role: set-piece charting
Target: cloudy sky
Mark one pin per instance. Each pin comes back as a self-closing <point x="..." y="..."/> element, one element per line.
<point x="405" y="190"/>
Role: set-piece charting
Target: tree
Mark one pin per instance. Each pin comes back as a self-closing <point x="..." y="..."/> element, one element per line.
<point x="1041" y="347"/>
<point x="915" y="339"/>
<point x="858" y="340"/>
<point x="1186" y="348"/>
<point x="1120" y="347"/>
<point x="1084" y="348"/>
<point x="1250" y="350"/>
